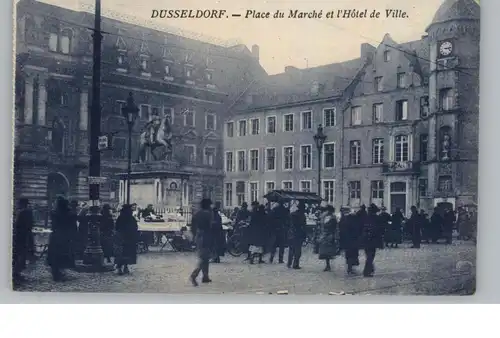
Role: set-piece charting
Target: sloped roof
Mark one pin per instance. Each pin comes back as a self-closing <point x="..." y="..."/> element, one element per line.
<point x="417" y="52"/>
<point x="295" y="85"/>
<point x="457" y="9"/>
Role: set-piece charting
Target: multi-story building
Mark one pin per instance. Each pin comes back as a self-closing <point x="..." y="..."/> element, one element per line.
<point x="191" y="81"/>
<point x="401" y="123"/>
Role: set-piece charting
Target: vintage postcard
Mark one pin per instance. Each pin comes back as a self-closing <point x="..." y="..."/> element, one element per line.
<point x="246" y="147"/>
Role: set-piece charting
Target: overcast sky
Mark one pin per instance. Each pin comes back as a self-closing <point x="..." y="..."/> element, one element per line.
<point x="300" y="43"/>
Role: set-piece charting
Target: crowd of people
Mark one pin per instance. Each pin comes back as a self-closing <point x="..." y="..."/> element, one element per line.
<point x="69" y="237"/>
<point x="267" y="230"/>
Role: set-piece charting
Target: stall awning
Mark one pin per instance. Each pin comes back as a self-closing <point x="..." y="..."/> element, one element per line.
<point x="287" y="196"/>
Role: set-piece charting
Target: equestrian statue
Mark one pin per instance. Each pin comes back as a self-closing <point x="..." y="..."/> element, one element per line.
<point x="157" y="133"/>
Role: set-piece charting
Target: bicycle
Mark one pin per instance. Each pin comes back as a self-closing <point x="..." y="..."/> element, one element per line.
<point x="235" y="243"/>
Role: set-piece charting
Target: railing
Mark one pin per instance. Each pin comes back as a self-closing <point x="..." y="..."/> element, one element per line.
<point x="401" y="168"/>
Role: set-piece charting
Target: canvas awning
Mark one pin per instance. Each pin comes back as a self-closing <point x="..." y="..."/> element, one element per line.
<point x="287" y="196"/>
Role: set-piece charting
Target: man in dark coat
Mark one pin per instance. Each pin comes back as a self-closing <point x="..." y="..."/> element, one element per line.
<point x="22" y="241"/>
<point x="370" y="239"/>
<point x="257" y="232"/>
<point x="426" y="226"/>
<point x="278" y="223"/>
<point x="127" y="236"/>
<point x="436" y="226"/>
<point x="415" y="225"/>
<point x="218" y="234"/>
<point x="448" y="224"/>
<point x="60" y="253"/>
<point x="202" y="232"/>
<point x="297" y="236"/>
<point x="385" y="220"/>
<point x="243" y="214"/>
<point x="397" y="219"/>
<point x="83" y="232"/>
<point x="107" y="229"/>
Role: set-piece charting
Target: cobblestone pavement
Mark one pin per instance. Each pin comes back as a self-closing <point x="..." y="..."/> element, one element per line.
<point x="432" y="269"/>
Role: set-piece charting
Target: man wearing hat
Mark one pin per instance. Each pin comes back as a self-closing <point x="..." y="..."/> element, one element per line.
<point x="370" y="239"/>
<point x="350" y="233"/>
<point x="202" y="231"/>
<point x="385" y="220"/>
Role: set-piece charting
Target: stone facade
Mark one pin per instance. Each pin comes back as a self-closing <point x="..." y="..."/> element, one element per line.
<point x="193" y="81"/>
<point x="407" y="130"/>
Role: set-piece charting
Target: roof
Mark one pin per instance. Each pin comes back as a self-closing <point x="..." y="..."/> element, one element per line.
<point x="297" y="85"/>
<point x="287" y="195"/>
<point x="417" y="52"/>
<point x="457" y="9"/>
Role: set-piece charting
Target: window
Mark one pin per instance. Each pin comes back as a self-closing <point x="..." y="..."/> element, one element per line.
<point x="329" y="117"/>
<point x="445" y="183"/>
<point x="447" y="99"/>
<point x="270" y="186"/>
<point x="355" y="116"/>
<point x="188" y="72"/>
<point x="53" y="41"/>
<point x="66" y="36"/>
<point x="288" y="122"/>
<point x="254" y="159"/>
<point x="355" y="152"/>
<point x="422" y="187"/>
<point x="189" y="118"/>
<point x="254" y="191"/>
<point x="144" y="111"/>
<point x="305" y="186"/>
<point x="242" y="128"/>
<point x="424" y="141"/>
<point x="424" y="106"/>
<point x="229" y="161"/>
<point x="240" y="192"/>
<point x="402" y="110"/>
<point x="378" y="111"/>
<point x="306" y="157"/>
<point x="377" y="84"/>
<point x="144" y="64"/>
<point x="287" y="185"/>
<point x="241" y="160"/>
<point x="228" y="193"/>
<point x="377" y="190"/>
<point x="401" y="151"/>
<point x="190" y="152"/>
<point x="230" y="129"/>
<point x="271" y="159"/>
<point x="328" y="191"/>
<point x="169" y="113"/>
<point x="287" y="158"/>
<point x="354" y="189"/>
<point x="387" y="56"/>
<point x="271" y="124"/>
<point x="119" y="107"/>
<point x="329" y="155"/>
<point x="401" y="80"/>
<point x="378" y="151"/>
<point x="167" y="70"/>
<point x="306" y="120"/>
<point x="119" y="147"/>
<point x="209" y="158"/>
<point x="254" y="126"/>
<point x="210" y="121"/>
<point x="155" y="111"/>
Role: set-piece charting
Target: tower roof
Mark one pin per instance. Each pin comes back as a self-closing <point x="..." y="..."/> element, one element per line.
<point x="456" y="10"/>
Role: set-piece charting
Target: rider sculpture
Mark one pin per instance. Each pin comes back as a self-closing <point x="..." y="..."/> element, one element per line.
<point x="157" y="133"/>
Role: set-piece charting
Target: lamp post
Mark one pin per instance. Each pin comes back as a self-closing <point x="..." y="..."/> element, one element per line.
<point x="130" y="113"/>
<point x="319" y="139"/>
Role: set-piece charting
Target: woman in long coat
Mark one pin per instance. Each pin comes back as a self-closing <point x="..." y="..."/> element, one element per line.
<point x="126" y="240"/>
<point x="107" y="229"/>
<point x="60" y="253"/>
<point x="327" y="235"/>
<point x="257" y="235"/>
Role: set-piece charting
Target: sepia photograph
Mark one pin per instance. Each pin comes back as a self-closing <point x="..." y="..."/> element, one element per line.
<point x="246" y="147"/>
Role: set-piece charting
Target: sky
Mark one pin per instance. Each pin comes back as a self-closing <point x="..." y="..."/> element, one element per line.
<point x="285" y="42"/>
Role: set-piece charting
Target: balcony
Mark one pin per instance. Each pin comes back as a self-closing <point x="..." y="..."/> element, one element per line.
<point x="401" y="168"/>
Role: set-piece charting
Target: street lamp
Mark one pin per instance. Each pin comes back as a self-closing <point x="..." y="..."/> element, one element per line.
<point x="319" y="139"/>
<point x="130" y="113"/>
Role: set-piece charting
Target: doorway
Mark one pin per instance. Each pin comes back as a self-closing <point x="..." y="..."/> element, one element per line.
<point x="57" y="185"/>
<point x="398" y="197"/>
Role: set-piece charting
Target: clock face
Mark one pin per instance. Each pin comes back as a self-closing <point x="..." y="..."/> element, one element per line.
<point x="446" y="48"/>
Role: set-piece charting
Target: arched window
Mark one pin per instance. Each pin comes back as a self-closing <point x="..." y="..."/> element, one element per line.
<point x="58" y="136"/>
<point x="66" y="39"/>
<point x="401" y="148"/>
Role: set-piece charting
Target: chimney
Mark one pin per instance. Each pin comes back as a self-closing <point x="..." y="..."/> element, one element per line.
<point x="367" y="51"/>
<point x="255" y="52"/>
<point x="290" y="69"/>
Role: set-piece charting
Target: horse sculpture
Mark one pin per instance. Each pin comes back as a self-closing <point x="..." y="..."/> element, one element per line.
<point x="157" y="133"/>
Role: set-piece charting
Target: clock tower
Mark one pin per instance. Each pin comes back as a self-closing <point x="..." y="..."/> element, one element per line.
<point x="453" y="121"/>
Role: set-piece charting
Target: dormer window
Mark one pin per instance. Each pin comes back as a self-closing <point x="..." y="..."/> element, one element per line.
<point x="167" y="70"/>
<point x="387" y="56"/>
<point x="189" y="72"/>
<point x="144" y="65"/>
<point x="208" y="76"/>
<point x="121" y="60"/>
